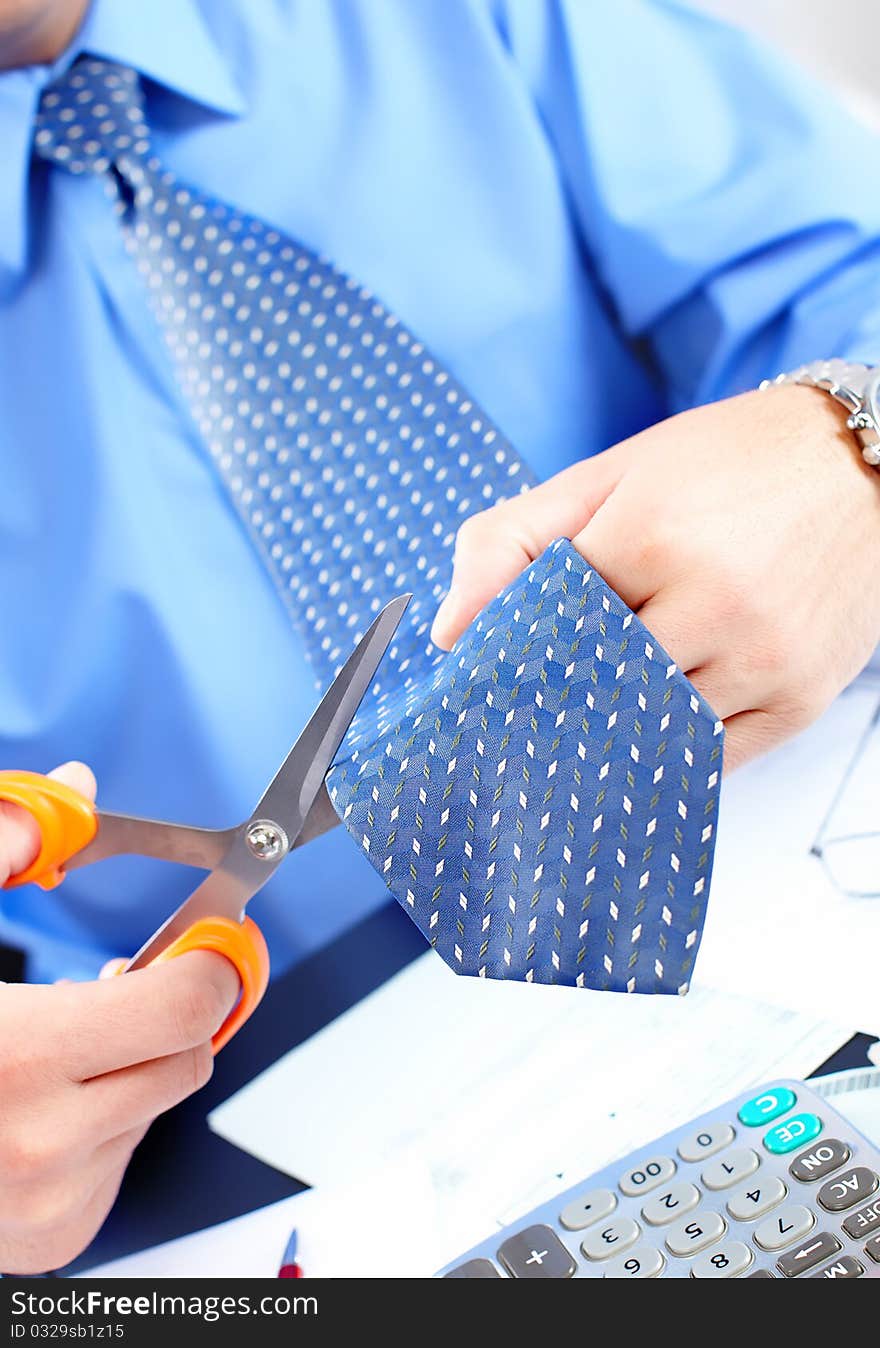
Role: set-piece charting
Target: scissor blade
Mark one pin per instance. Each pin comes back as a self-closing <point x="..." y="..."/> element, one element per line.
<point x="121" y="834"/>
<point x="290" y="796"/>
<point x="124" y="834"/>
<point x="320" y="818"/>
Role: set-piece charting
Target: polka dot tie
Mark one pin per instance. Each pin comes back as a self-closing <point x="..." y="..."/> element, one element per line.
<point x="543" y="800"/>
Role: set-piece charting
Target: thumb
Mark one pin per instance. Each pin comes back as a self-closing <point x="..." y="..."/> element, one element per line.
<point x="493" y="547"/>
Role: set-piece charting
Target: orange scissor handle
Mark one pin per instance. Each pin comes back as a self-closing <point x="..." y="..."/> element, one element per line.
<point x="244" y="945"/>
<point x="67" y="822"/>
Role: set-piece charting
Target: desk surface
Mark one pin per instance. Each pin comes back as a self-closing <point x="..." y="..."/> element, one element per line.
<point x="171" y="1185"/>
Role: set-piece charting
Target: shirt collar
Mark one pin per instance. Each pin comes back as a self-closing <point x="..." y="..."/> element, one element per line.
<point x="135" y="35"/>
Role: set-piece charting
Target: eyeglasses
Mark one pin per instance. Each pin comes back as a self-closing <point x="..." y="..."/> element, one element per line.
<point x="848" y="841"/>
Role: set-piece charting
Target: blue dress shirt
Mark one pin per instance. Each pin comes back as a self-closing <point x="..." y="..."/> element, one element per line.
<point x="595" y="213"/>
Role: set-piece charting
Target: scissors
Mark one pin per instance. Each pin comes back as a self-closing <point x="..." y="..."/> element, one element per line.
<point x="294" y="808"/>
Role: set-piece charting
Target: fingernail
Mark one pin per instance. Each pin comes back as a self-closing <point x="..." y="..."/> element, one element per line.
<point x="112" y="968"/>
<point x="443" y="620"/>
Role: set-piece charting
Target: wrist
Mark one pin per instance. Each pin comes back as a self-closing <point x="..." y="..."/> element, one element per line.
<point x="851" y="385"/>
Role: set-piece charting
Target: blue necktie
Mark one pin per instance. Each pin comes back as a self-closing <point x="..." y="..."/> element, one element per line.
<point x="542" y="801"/>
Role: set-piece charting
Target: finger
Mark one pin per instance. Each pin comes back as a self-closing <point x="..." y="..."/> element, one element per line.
<point x="77" y="775"/>
<point x="612" y="543"/>
<point x="749" y="734"/>
<point x="134" y="1096"/>
<point x="493" y="547"/>
<point x="726" y="694"/>
<point x="150" y="1013"/>
<point x="676" y="619"/>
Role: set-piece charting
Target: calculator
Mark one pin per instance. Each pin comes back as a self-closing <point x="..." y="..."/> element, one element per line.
<point x="774" y="1184"/>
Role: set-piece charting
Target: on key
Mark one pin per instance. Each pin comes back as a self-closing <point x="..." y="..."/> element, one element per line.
<point x="819" y="1161"/>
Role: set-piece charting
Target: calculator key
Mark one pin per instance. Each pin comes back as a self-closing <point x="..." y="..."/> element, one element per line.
<point x="852" y="1187"/>
<point x="474" y="1268"/>
<point x="612" y="1239"/>
<point x="706" y="1142"/>
<point x="794" y="1132"/>
<point x="671" y="1203"/>
<point x="589" y="1208"/>
<point x="784" y="1227"/>
<point x="844" y="1267"/>
<point x="647" y="1176"/>
<point x="872" y="1249"/>
<point x="536" y="1252"/>
<point x="730" y="1169"/>
<point x="827" y="1155"/>
<point x="642" y="1262"/>
<point x="761" y="1273"/>
<point x="728" y="1261"/>
<point x="754" y="1199"/>
<point x="864" y="1222"/>
<point x="692" y="1234"/>
<point x="822" y="1246"/>
<point x="766" y="1107"/>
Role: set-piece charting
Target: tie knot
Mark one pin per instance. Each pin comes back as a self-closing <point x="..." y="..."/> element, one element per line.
<point x="91" y="117"/>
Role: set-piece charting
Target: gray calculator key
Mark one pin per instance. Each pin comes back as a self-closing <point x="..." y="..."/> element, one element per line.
<point x="670" y="1203"/>
<point x="694" y="1146"/>
<point x="822" y="1246"/>
<point x="536" y="1252"/>
<point x="693" y="1234"/>
<point x="761" y="1273"/>
<point x="784" y="1227"/>
<point x="589" y="1208"/>
<point x="864" y="1222"/>
<point x="730" y="1169"/>
<point x="642" y="1262"/>
<point x="754" y="1199"/>
<point x="611" y="1239"/>
<point x="474" y="1268"/>
<point x="872" y="1249"/>
<point x="726" y="1261"/>
<point x="647" y="1175"/>
<point x="852" y="1187"/>
<point x="817" y="1162"/>
<point x="844" y="1267"/>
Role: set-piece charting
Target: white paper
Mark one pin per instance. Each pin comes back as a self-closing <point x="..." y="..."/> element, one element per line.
<point x="384" y="1224"/>
<point x="777" y="926"/>
<point x="388" y="1223"/>
<point x="505" y="1091"/>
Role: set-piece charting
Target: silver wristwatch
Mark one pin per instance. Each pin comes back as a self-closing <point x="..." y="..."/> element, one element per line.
<point x="855" y="386"/>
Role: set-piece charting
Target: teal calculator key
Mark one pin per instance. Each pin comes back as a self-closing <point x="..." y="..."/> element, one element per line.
<point x="792" y="1133"/>
<point x="767" y="1106"/>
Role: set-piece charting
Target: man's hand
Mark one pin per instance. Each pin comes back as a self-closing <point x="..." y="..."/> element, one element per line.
<point x="84" y="1070"/>
<point x="745" y="534"/>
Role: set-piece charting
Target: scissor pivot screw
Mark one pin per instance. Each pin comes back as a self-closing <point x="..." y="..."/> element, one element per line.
<point x="267" y="840"/>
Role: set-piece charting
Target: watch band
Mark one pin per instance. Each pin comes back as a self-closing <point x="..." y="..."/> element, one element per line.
<point x="852" y="385"/>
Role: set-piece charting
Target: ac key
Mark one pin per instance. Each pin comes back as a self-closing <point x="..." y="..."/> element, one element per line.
<point x="852" y="1187"/>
